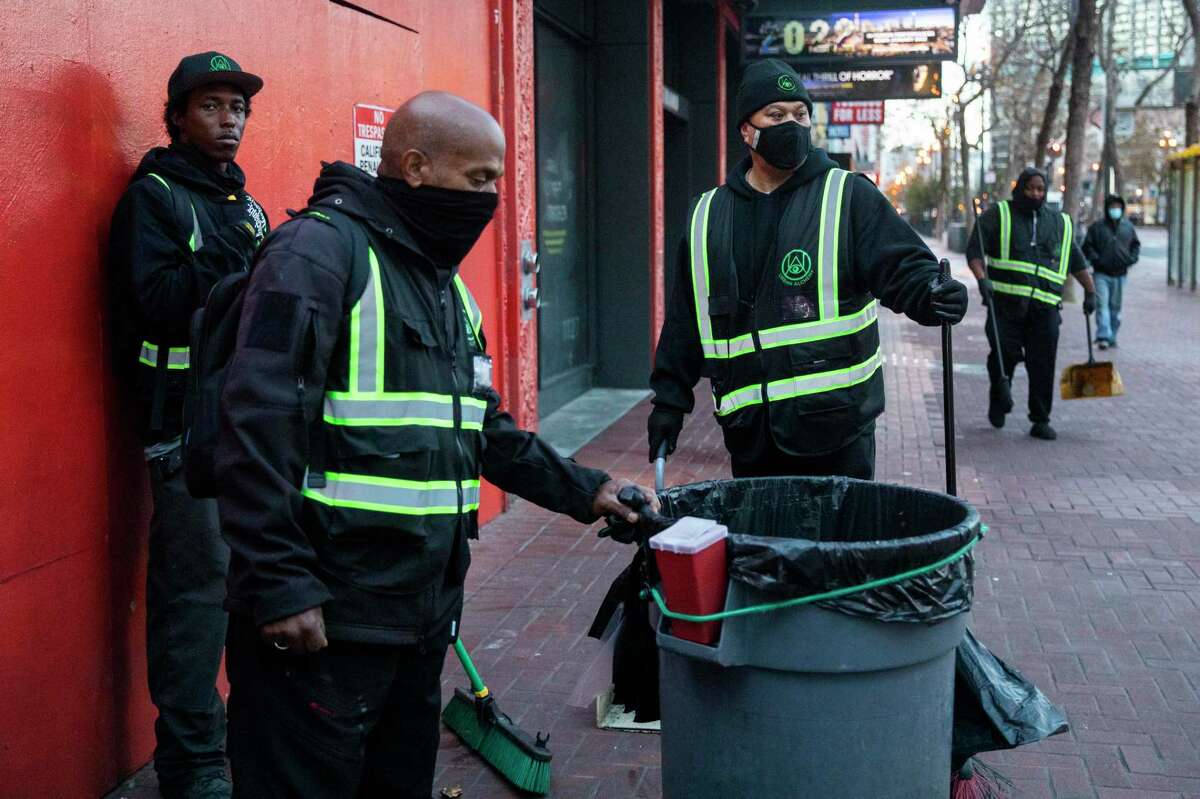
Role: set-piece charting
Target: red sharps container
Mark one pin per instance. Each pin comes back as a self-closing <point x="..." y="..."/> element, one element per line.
<point x="691" y="560"/>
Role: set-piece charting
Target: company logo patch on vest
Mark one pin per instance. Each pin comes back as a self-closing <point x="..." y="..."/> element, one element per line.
<point x="796" y="268"/>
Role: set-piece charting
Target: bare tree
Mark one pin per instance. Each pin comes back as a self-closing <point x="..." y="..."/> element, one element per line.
<point x="1191" y="110"/>
<point x="1083" y="32"/>
<point x="1108" y="176"/>
<point x="1053" y="100"/>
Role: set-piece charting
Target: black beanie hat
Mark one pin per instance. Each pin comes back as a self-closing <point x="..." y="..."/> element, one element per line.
<point x="764" y="82"/>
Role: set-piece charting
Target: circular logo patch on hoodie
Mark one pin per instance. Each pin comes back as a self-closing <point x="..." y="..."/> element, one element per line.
<point x="796" y="268"/>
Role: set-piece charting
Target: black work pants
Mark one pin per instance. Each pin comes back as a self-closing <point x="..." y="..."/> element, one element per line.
<point x="353" y="721"/>
<point x="185" y="626"/>
<point x="1029" y="334"/>
<point x="856" y="459"/>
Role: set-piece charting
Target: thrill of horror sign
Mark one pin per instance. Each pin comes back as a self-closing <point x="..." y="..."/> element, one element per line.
<point x="911" y="82"/>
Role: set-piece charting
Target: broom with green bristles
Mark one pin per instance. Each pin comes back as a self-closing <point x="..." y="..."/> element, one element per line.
<point x="476" y="719"/>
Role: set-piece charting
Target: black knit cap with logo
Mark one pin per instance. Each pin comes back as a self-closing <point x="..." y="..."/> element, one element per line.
<point x="765" y="82"/>
<point x="203" y="69"/>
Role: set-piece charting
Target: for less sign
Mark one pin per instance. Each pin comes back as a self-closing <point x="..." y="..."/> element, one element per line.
<point x="862" y="113"/>
<point x="369" y="123"/>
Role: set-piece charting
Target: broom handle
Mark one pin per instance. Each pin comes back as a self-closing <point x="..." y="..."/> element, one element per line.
<point x="1087" y="320"/>
<point x="469" y="667"/>
<point x="948" y="392"/>
<point x="991" y="305"/>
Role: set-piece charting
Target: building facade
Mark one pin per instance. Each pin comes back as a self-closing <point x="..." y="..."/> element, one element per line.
<point x="614" y="113"/>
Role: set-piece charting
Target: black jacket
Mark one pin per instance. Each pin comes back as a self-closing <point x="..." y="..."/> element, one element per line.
<point x="1035" y="237"/>
<point x="1112" y="247"/>
<point x="157" y="281"/>
<point x="296" y="303"/>
<point x="888" y="260"/>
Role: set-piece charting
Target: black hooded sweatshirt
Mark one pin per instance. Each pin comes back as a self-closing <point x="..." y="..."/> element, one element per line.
<point x="275" y="568"/>
<point x="1112" y="247"/>
<point x="156" y="280"/>
<point x="888" y="259"/>
<point x="1036" y="238"/>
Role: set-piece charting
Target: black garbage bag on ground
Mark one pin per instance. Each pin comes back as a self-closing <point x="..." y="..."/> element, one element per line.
<point x="995" y="707"/>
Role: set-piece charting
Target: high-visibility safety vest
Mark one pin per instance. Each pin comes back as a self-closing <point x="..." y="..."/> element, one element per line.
<point x="810" y="343"/>
<point x="1025" y="279"/>
<point x="402" y="424"/>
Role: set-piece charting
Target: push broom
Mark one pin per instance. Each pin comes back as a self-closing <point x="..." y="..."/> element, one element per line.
<point x="476" y="719"/>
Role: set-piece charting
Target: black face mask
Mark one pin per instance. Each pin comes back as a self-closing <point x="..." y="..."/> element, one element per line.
<point x="446" y="223"/>
<point x="1024" y="203"/>
<point x="784" y="146"/>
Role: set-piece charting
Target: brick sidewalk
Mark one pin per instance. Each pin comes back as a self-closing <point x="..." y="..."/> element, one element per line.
<point x="1087" y="581"/>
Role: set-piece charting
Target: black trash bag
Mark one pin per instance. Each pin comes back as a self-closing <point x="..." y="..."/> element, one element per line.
<point x="995" y="707"/>
<point x="796" y="536"/>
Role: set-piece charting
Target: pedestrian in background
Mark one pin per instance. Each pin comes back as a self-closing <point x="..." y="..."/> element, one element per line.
<point x="1029" y="251"/>
<point x="185" y="222"/>
<point x="1112" y="247"/>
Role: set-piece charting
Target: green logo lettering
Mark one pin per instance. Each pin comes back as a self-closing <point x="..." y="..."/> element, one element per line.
<point x="796" y="268"/>
<point x="786" y="83"/>
<point x="219" y="63"/>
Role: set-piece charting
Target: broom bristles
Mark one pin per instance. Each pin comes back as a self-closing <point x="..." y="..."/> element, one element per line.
<point x="979" y="781"/>
<point x="520" y="759"/>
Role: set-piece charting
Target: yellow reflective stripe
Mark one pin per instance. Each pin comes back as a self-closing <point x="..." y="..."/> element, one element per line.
<point x="1046" y="297"/>
<point x="827" y="251"/>
<point x="177" y="357"/>
<point x="1005" y="231"/>
<point x="391" y="495"/>
<point x="195" y="241"/>
<point x="1064" y="257"/>
<point x="401" y="408"/>
<point x="700" y="278"/>
<point x="821" y="382"/>
<point x="1024" y="267"/>
<point x="738" y="399"/>
<point x="1013" y="289"/>
<point x="166" y="185"/>
<point x="474" y="314"/>
<point x="808" y="332"/>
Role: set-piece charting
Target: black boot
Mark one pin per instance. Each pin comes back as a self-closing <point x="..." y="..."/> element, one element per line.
<point x="1043" y="430"/>
<point x="999" y="403"/>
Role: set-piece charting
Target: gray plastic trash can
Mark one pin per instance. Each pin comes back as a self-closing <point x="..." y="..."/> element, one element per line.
<point x="809" y="702"/>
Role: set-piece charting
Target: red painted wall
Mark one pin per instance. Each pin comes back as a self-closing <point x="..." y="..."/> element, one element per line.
<point x="82" y="84"/>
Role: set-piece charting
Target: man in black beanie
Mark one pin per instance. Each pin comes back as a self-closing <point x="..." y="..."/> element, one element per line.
<point x="777" y="288"/>
<point x="1029" y="251"/>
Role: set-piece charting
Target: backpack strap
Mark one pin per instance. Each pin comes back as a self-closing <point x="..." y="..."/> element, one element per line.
<point x="360" y="270"/>
<point x="179" y="196"/>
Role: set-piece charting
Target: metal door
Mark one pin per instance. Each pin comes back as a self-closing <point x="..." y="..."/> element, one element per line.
<point x="565" y="346"/>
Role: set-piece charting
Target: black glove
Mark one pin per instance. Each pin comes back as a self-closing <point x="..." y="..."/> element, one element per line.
<point x="948" y="301"/>
<point x="1089" y="302"/>
<point x="664" y="424"/>
<point x="987" y="290"/>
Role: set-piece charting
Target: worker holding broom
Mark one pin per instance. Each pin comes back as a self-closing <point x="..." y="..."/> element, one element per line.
<point x="357" y="418"/>
<point x="1029" y="252"/>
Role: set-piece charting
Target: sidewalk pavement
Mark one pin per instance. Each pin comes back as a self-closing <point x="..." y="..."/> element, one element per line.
<point x="1087" y="581"/>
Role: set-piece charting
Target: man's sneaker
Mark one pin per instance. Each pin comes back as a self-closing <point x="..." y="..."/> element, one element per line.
<point x="1044" y="431"/>
<point x="212" y="786"/>
<point x="1102" y="344"/>
<point x="1112" y="344"/>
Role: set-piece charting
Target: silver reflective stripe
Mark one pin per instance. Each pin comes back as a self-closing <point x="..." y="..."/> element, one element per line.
<point x="389" y="495"/>
<point x="177" y="357"/>
<point x="396" y="409"/>
<point x="808" y="332"/>
<point x="823" y="381"/>
<point x="700" y="287"/>
<point x="366" y="334"/>
<point x="474" y="314"/>
<point x="828" y="241"/>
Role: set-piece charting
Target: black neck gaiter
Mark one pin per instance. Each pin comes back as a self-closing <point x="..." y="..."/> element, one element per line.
<point x="445" y="223"/>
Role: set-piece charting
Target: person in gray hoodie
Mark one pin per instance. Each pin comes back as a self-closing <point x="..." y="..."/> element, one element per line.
<point x="1111" y="247"/>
